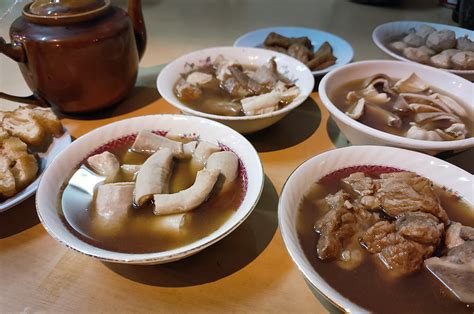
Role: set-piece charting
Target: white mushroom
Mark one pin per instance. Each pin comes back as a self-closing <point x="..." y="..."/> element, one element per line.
<point x="190" y="198"/>
<point x="418" y="133"/>
<point x="227" y="163"/>
<point x="260" y="104"/>
<point x="105" y="164"/>
<point x="411" y="84"/>
<point x="149" y="142"/>
<point x="356" y="111"/>
<point x="413" y="40"/>
<point x="198" y="78"/>
<point x="154" y="176"/>
<point x="441" y="40"/>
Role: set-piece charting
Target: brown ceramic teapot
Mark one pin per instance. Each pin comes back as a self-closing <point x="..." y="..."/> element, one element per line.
<point x="77" y="55"/>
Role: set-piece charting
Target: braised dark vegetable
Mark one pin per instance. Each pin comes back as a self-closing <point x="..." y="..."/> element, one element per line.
<point x="301" y="48"/>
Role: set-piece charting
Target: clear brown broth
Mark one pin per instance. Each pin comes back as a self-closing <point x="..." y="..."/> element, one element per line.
<point x="370" y="285"/>
<point x="339" y="99"/>
<point x="138" y="233"/>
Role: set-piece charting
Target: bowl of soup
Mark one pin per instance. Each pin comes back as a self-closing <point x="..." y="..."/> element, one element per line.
<point x="150" y="189"/>
<point x="400" y="104"/>
<point x="247" y="89"/>
<point x="363" y="220"/>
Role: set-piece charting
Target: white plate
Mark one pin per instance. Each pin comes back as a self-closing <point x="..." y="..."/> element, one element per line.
<point x="45" y="159"/>
<point x="290" y="67"/>
<point x="439" y="171"/>
<point x="63" y="166"/>
<point x="385" y="33"/>
<point x="342" y="50"/>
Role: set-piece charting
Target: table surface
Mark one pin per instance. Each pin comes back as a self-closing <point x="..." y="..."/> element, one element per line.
<point x="248" y="271"/>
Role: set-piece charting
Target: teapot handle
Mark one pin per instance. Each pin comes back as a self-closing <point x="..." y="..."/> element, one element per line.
<point x="16" y="52"/>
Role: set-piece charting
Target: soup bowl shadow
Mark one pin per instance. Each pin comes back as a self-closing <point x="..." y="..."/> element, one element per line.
<point x="18" y="218"/>
<point x="293" y="129"/>
<point x="227" y="256"/>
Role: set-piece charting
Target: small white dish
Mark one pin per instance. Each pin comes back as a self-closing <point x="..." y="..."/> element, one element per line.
<point x="63" y="166"/>
<point x="342" y="49"/>
<point x="385" y="33"/>
<point x="439" y="171"/>
<point x="45" y="159"/>
<point x="292" y="68"/>
<point x="359" y="134"/>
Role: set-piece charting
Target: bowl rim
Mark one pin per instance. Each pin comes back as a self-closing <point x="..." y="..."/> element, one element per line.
<point x="168" y="68"/>
<point x="377" y="39"/>
<point x="137" y="258"/>
<point x="296" y="253"/>
<point x="390" y="138"/>
<point x="349" y="49"/>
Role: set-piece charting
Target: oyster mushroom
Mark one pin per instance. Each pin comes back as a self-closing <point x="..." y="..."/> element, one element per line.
<point x="417" y="133"/>
<point x="452" y="105"/>
<point x="411" y="84"/>
<point x="458" y="130"/>
<point x="426" y="100"/>
<point x="389" y="118"/>
<point x="401" y="105"/>
<point x="356" y="110"/>
<point x="425" y="117"/>
<point x="423" y="108"/>
<point x="379" y="80"/>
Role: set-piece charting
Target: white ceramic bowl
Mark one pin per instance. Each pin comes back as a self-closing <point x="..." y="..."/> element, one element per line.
<point x="385" y="33"/>
<point x="64" y="165"/>
<point x="358" y="133"/>
<point x="440" y="172"/>
<point x="342" y="49"/>
<point x="292" y="68"/>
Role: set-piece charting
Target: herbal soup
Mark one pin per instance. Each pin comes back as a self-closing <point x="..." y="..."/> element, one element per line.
<point x="152" y="193"/>
<point x="390" y="241"/>
<point x="408" y="107"/>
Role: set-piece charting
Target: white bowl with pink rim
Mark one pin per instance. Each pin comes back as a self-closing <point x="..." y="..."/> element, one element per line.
<point x="440" y="172"/>
<point x="359" y="134"/>
<point x="63" y="166"/>
<point x="290" y="67"/>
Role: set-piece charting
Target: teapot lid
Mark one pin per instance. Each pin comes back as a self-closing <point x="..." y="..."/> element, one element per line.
<point x="47" y="11"/>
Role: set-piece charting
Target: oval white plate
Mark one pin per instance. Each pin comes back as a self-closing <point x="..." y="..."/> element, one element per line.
<point x="64" y="165"/>
<point x="291" y="68"/>
<point x="342" y="49"/>
<point x="383" y="34"/>
<point x="439" y="171"/>
<point x="45" y="159"/>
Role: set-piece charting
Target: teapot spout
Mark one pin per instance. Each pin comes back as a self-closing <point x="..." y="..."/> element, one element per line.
<point x="13" y="51"/>
<point x="135" y="13"/>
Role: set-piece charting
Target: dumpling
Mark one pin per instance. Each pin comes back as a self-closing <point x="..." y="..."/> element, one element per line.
<point x="398" y="46"/>
<point x="465" y="44"/>
<point x="413" y="40"/>
<point x="463" y="60"/>
<point x="441" y="40"/>
<point x="424" y="31"/>
<point x="441" y="61"/>
<point x="421" y="54"/>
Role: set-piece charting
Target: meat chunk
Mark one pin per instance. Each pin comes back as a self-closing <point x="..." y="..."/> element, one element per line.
<point x="300" y="52"/>
<point x="274" y="39"/>
<point x="420" y="227"/>
<point x="359" y="184"/>
<point x="334" y="228"/>
<point x="456" y="270"/>
<point x="457" y="234"/>
<point x="405" y="192"/>
<point x="403" y="246"/>
<point x="188" y="91"/>
<point x="267" y="74"/>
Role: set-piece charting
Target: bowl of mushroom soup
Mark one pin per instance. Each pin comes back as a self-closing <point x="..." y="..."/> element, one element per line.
<point x="400" y="104"/>
<point x="150" y="190"/>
